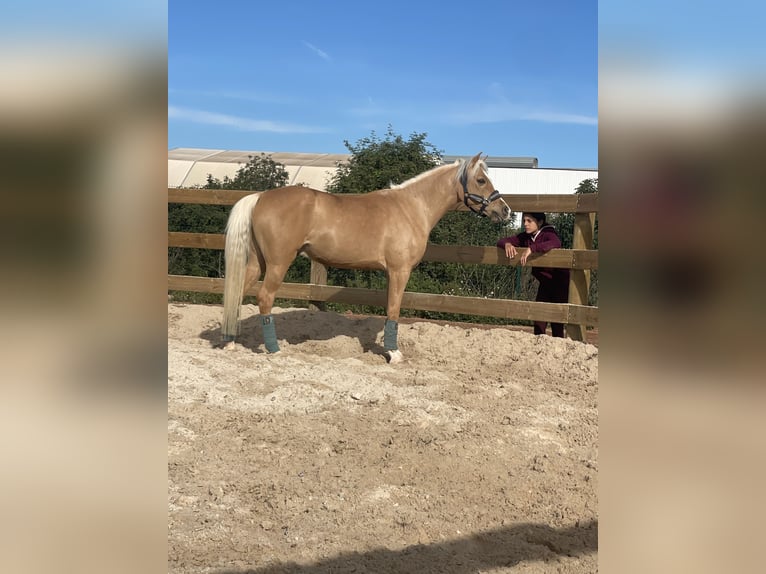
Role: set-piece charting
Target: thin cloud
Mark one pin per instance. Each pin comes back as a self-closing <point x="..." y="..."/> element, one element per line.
<point x="246" y="95"/>
<point x="321" y="53"/>
<point x="559" y="118"/>
<point x="240" y="123"/>
<point x="498" y="113"/>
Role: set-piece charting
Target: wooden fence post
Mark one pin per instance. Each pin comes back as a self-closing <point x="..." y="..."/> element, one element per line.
<point x="579" y="279"/>
<point x="318" y="277"/>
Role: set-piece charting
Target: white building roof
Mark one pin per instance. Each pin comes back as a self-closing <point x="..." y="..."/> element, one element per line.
<point x="189" y="167"/>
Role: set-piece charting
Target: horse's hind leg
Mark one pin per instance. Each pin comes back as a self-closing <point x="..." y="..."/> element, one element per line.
<point x="271" y="282"/>
<point x="253" y="270"/>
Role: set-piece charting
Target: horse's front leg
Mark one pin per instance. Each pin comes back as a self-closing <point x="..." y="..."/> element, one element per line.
<point x="397" y="281"/>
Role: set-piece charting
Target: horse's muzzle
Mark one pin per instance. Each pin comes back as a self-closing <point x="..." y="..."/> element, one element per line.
<point x="498" y="212"/>
<point x="484" y="202"/>
<point x="500" y="215"/>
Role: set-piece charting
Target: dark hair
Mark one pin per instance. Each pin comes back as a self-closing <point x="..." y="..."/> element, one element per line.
<point x="538" y="215"/>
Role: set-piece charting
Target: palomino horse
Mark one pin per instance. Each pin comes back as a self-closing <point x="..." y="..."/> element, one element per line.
<point x="385" y="229"/>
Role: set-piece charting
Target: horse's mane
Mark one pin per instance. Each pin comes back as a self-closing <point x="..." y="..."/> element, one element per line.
<point x="461" y="172"/>
<point x="425" y="174"/>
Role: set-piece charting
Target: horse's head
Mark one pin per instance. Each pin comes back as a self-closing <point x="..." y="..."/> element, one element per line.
<point x="479" y="195"/>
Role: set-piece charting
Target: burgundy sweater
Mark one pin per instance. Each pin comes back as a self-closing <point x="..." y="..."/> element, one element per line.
<point x="541" y="242"/>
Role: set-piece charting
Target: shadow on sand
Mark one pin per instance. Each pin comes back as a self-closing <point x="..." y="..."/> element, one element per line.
<point x="301" y="325"/>
<point x="500" y="548"/>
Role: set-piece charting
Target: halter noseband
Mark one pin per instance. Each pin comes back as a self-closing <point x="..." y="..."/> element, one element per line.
<point x="477" y="199"/>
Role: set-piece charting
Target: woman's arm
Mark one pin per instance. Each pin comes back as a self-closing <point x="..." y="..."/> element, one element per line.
<point x="509" y="244"/>
<point x="514" y="240"/>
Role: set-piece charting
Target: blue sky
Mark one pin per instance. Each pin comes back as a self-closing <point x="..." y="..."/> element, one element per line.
<point x="500" y="77"/>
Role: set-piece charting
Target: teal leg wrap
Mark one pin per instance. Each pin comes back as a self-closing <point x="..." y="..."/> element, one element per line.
<point x="389" y="335"/>
<point x="269" y="333"/>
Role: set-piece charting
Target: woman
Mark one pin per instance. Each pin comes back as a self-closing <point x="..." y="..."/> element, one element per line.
<point x="540" y="237"/>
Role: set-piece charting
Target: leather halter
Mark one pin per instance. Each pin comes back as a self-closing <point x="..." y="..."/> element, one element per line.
<point x="482" y="202"/>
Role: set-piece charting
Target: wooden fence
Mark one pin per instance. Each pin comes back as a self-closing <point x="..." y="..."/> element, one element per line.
<point x="581" y="260"/>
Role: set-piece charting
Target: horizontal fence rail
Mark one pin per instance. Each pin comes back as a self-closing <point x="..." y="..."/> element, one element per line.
<point x="567" y="258"/>
<point x="503" y="308"/>
<point x="581" y="260"/>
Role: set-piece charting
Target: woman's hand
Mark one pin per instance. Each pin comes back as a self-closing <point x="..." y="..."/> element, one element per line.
<point x="510" y="251"/>
<point x="524" y="256"/>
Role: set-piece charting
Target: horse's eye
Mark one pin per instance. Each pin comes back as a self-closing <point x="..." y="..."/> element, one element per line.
<point x="482" y="181"/>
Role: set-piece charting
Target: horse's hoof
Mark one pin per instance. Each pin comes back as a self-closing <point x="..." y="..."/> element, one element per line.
<point x="394" y="356"/>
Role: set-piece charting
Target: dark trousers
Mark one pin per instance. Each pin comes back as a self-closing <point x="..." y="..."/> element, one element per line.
<point x="552" y="291"/>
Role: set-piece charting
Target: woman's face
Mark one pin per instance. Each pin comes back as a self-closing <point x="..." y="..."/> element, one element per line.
<point x="530" y="224"/>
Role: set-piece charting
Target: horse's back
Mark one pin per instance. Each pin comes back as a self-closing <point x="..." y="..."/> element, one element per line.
<point x="287" y="198"/>
<point x="289" y="204"/>
<point x="323" y="207"/>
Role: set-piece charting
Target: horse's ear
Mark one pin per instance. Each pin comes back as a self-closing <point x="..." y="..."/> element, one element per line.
<point x="475" y="158"/>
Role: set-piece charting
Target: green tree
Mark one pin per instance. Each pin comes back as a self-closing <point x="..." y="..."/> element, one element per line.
<point x="379" y="163"/>
<point x="258" y="174"/>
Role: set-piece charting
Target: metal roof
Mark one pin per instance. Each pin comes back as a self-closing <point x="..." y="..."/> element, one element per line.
<point x="317" y="159"/>
<point x="529" y="162"/>
<point x="189" y="167"/>
<point x="233" y="156"/>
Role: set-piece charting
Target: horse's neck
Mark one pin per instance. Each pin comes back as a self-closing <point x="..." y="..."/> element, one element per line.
<point x="435" y="194"/>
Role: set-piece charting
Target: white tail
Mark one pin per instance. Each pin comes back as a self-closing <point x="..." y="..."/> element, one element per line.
<point x="239" y="247"/>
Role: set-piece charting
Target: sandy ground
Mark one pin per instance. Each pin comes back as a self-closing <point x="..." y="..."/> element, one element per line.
<point x="477" y="454"/>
